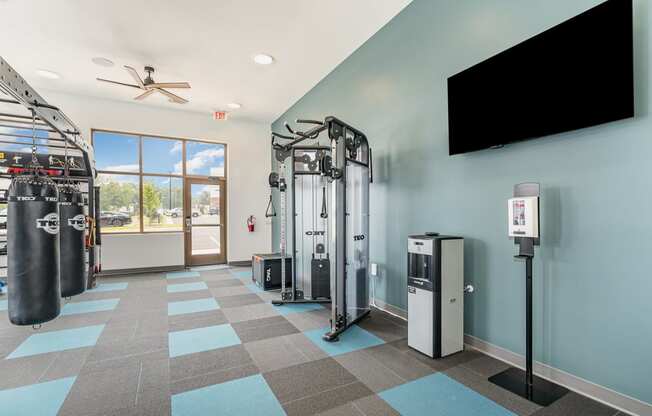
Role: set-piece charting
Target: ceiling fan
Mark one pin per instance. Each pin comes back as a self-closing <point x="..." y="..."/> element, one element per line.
<point x="150" y="87"/>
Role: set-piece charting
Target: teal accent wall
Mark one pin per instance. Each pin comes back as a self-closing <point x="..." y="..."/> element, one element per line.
<point x="593" y="271"/>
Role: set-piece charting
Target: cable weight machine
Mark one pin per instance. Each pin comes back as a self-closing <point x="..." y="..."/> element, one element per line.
<point x="329" y="213"/>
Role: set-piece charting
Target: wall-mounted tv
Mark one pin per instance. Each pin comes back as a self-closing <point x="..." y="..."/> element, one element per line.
<point x="575" y="75"/>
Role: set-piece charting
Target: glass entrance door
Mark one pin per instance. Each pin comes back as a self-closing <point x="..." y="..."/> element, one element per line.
<point x="205" y="221"/>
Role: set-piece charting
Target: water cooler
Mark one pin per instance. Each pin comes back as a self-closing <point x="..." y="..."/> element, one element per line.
<point x="436" y="294"/>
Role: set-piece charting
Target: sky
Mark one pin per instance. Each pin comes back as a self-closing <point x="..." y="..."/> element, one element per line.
<point x="119" y="152"/>
<point x="25" y="142"/>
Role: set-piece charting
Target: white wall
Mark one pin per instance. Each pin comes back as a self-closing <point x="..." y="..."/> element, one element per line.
<point x="248" y="164"/>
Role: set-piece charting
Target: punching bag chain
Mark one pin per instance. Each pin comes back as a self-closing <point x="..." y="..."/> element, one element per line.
<point x="35" y="162"/>
<point x="66" y="165"/>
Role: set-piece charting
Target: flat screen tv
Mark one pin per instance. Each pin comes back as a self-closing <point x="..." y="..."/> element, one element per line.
<point x="575" y="75"/>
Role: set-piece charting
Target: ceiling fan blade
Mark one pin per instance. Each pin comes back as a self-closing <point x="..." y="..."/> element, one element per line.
<point x="169" y="85"/>
<point x="145" y="94"/>
<point x="135" y="76"/>
<point x="173" y="97"/>
<point x="118" y="83"/>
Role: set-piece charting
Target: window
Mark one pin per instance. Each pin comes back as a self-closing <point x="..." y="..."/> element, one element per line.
<point x="119" y="202"/>
<point x="162" y="156"/>
<point x="141" y="179"/>
<point x="205" y="159"/>
<point x="162" y="203"/>
<point x="115" y="152"/>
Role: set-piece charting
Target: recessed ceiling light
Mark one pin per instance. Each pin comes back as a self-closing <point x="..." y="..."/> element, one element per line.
<point x="234" y="106"/>
<point x="263" y="59"/>
<point x="44" y="73"/>
<point x="98" y="60"/>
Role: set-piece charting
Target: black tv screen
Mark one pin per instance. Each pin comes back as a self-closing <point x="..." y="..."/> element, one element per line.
<point x="575" y="75"/>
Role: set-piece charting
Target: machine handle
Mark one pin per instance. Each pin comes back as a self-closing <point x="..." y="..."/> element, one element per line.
<point x="371" y="167"/>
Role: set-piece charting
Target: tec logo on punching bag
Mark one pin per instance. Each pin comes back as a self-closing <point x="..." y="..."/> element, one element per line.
<point x="49" y="223"/>
<point x="78" y="222"/>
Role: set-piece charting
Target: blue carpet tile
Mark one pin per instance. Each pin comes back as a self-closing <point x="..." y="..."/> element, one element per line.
<point x="353" y="339"/>
<point x="202" y="339"/>
<point x="109" y="287"/>
<point x="186" y="287"/>
<point x="254" y="288"/>
<point x="242" y="274"/>
<point x="181" y="275"/>
<point x="209" y="268"/>
<point x="192" y="306"/>
<point x="42" y="399"/>
<point x="249" y="396"/>
<point x="440" y="395"/>
<point x="290" y="308"/>
<point x="74" y="308"/>
<point x="65" y="339"/>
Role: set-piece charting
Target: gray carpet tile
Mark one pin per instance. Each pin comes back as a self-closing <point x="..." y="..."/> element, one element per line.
<point x="264" y="328"/>
<point x="191" y="295"/>
<point x="482" y="385"/>
<point x="206" y="362"/>
<point x="196" y="320"/>
<point x="249" y="312"/>
<point x="224" y="283"/>
<point x="221" y="292"/>
<point x="573" y="404"/>
<point x="277" y="353"/>
<point x="239" y="300"/>
<point x="370" y="371"/>
<point x="307" y="379"/>
<point x="129" y="371"/>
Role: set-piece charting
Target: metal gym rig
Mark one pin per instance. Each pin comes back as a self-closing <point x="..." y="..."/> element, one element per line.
<point x="34" y="133"/>
<point x="346" y="169"/>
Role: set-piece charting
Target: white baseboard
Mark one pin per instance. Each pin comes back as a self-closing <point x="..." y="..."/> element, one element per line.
<point x="389" y="308"/>
<point x="599" y="393"/>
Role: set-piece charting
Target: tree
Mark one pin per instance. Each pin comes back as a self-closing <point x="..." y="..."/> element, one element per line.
<point x="117" y="196"/>
<point x="151" y="200"/>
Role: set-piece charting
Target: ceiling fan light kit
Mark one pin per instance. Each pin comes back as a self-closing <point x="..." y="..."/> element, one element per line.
<point x="149" y="86"/>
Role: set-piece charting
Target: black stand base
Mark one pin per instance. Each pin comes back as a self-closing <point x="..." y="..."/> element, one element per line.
<point x="280" y="302"/>
<point x="543" y="393"/>
<point x="334" y="336"/>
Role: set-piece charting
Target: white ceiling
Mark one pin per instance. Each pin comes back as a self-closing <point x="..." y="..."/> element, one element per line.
<point x="209" y="43"/>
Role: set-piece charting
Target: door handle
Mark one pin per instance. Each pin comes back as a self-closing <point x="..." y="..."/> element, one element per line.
<point x="188" y="224"/>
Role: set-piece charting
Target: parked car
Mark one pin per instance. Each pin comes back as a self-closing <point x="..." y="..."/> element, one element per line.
<point x="213" y="211"/>
<point x="174" y="212"/>
<point x="177" y="212"/>
<point x="114" y="219"/>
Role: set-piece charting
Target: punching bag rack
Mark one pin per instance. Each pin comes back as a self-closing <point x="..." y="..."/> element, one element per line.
<point x="29" y="124"/>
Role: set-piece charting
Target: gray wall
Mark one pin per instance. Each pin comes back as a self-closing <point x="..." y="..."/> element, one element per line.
<point x="593" y="287"/>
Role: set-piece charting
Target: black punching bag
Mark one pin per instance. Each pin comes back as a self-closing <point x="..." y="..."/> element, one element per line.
<point x="33" y="250"/>
<point x="72" y="229"/>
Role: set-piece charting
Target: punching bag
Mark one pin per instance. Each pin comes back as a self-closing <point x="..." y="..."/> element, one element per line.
<point x="33" y="250"/>
<point x="72" y="229"/>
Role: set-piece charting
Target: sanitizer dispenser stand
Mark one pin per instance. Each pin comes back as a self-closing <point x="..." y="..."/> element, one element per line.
<point x="523" y="220"/>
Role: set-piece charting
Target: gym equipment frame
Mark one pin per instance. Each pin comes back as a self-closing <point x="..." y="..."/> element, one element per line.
<point x="349" y="171"/>
<point x="69" y="157"/>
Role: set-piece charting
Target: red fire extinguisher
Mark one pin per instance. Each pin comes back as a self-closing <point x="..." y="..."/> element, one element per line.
<point x="251" y="222"/>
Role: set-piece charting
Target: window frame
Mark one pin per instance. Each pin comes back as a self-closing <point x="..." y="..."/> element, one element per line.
<point x="141" y="175"/>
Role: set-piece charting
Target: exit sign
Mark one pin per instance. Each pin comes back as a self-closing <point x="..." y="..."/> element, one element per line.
<point x="220" y="115"/>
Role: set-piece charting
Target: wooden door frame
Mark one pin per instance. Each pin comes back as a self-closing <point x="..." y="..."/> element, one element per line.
<point x="206" y="259"/>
